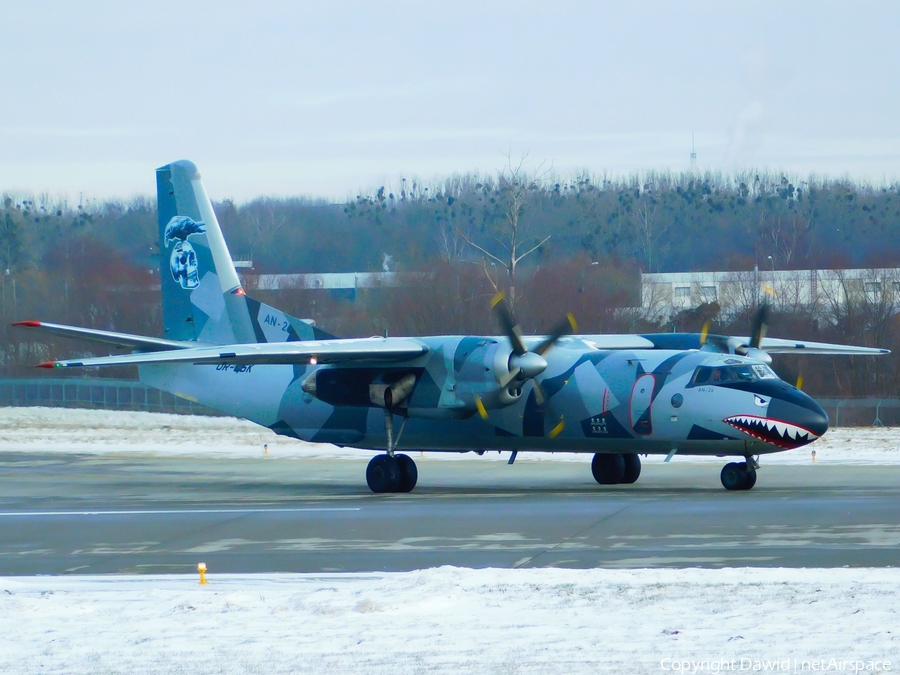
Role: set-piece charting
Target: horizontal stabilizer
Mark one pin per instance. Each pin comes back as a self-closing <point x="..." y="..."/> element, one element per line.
<point x="139" y="342"/>
<point x="311" y="352"/>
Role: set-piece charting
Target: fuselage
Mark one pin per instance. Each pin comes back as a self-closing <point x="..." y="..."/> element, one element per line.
<point x="620" y="401"/>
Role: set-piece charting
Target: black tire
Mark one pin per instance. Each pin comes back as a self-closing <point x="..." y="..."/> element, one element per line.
<point x="383" y="474"/>
<point x="734" y="476"/>
<point x="608" y="469"/>
<point x="409" y="474"/>
<point x="750" y="480"/>
<point x="632" y="468"/>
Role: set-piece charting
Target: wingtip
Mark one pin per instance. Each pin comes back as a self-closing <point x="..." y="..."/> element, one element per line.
<point x="49" y="364"/>
<point x="27" y="324"/>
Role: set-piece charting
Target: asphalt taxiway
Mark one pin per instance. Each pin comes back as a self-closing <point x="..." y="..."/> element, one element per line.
<point x="93" y="514"/>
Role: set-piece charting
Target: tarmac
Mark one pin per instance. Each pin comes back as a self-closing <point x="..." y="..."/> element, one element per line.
<point x="97" y="514"/>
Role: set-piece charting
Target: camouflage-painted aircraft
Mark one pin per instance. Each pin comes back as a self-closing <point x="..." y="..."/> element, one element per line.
<point x="617" y="396"/>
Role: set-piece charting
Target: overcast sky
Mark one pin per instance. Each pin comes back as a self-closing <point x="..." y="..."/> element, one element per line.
<point x="327" y="98"/>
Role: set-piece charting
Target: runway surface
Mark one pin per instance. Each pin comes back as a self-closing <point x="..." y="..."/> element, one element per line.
<point x="89" y="514"/>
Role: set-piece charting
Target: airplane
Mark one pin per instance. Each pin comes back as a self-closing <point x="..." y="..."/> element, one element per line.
<point x="614" y="396"/>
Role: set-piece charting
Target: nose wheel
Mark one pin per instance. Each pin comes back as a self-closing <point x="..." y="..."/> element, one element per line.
<point x="739" y="475"/>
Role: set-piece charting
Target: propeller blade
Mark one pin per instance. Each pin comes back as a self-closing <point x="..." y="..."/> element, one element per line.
<point x="704" y="333"/>
<point x="557" y="430"/>
<point x="564" y="327"/>
<point x="799" y="382"/>
<point x="504" y="315"/>
<point x="513" y="372"/>
<point x="759" y="325"/>
<point x="539" y="395"/>
<point x="481" y="409"/>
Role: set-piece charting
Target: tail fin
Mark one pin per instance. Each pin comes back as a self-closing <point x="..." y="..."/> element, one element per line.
<point x="202" y="297"/>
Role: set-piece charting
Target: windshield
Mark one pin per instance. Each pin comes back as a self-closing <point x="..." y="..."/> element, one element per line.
<point x="748" y="372"/>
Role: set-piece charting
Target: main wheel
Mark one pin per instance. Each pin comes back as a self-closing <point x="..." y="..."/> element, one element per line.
<point x="409" y="474"/>
<point x="608" y="469"/>
<point x="750" y="479"/>
<point x="383" y="474"/>
<point x="632" y="467"/>
<point x="734" y="476"/>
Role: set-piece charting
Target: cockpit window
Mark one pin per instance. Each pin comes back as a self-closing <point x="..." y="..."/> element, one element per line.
<point x="748" y="372"/>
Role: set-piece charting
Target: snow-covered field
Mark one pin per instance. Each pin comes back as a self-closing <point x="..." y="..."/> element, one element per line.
<point x="451" y="620"/>
<point x="446" y="620"/>
<point x="104" y="431"/>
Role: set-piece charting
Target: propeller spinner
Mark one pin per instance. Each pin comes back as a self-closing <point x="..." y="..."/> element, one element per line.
<point x="525" y="364"/>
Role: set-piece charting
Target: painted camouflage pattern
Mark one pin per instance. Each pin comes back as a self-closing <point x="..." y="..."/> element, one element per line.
<point x="639" y="400"/>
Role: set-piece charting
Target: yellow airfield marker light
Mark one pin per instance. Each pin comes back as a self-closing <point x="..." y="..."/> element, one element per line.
<point x="814" y="455"/>
<point x="265" y="448"/>
<point x="481" y="409"/>
<point x="557" y="430"/>
<point x="202" y="569"/>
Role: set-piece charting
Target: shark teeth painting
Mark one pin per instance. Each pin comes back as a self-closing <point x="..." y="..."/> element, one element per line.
<point x="777" y="432"/>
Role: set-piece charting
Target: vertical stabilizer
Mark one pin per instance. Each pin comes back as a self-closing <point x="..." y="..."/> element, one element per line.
<point x="202" y="298"/>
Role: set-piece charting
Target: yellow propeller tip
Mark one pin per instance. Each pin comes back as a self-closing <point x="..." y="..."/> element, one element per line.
<point x="572" y="321"/>
<point x="481" y="409"/>
<point x="557" y="430"/>
<point x="497" y="299"/>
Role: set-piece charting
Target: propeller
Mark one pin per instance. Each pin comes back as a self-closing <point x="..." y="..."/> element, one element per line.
<point x="752" y="347"/>
<point x="525" y="364"/>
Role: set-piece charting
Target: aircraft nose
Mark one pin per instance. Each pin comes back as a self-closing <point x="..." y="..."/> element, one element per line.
<point x="791" y="419"/>
<point x="802" y="413"/>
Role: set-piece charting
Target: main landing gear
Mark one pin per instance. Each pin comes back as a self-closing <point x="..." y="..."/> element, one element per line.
<point x="397" y="473"/>
<point x="739" y="475"/>
<point x="391" y="472"/>
<point x="615" y="469"/>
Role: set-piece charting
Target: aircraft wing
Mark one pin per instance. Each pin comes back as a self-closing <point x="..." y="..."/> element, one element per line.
<point x="782" y="346"/>
<point x="318" y="351"/>
<point x="141" y="342"/>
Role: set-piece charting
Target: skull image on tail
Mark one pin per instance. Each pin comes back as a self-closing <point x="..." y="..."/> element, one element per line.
<point x="183" y="261"/>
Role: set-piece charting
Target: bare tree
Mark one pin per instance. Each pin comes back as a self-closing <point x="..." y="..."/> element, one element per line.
<point x="649" y="230"/>
<point x="514" y="190"/>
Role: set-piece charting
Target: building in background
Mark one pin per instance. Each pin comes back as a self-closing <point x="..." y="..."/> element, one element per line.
<point x="663" y="295"/>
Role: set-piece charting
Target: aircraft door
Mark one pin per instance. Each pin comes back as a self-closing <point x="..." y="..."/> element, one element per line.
<point x="641" y="399"/>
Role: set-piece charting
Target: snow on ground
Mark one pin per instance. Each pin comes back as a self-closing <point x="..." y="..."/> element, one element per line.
<point x="104" y="431"/>
<point x="445" y="620"/>
<point x="454" y="620"/>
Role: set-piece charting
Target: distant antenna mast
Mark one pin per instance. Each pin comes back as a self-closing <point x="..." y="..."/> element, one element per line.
<point x="693" y="155"/>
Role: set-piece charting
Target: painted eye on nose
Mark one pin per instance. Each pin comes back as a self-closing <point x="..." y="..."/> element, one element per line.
<point x="760" y="401"/>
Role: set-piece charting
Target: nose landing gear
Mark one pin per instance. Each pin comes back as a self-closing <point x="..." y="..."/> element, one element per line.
<point x="739" y="475"/>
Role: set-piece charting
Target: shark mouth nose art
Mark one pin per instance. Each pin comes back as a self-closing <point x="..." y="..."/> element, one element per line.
<point x="777" y="432"/>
